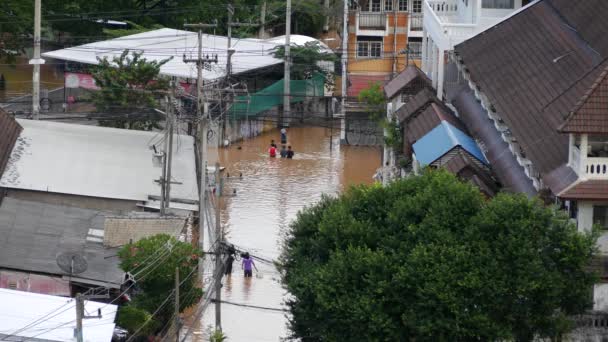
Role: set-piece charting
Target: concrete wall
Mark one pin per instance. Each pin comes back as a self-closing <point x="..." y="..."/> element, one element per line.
<point x="585" y="222"/>
<point x="118" y="231"/>
<point x="85" y="202"/>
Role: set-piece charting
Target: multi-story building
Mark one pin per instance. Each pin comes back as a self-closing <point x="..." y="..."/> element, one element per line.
<point x="450" y="22"/>
<point x="383" y="36"/>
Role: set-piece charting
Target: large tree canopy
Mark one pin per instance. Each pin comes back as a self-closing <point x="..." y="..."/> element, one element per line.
<point x="429" y="259"/>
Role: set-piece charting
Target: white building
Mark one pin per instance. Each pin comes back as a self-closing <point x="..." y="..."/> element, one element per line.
<point x="450" y="22"/>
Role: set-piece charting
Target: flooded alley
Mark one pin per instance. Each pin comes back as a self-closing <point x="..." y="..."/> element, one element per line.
<point x="269" y="196"/>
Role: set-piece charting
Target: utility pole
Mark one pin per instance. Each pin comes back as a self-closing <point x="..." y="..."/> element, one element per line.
<point x="163" y="179"/>
<point x="170" y="128"/>
<point x="326" y="7"/>
<point x="287" y="77"/>
<point x="80" y="298"/>
<point x="201" y="111"/>
<point x="344" y="62"/>
<point x="262" y="32"/>
<point x="36" y="61"/>
<point x="177" y="304"/>
<point x="218" y="250"/>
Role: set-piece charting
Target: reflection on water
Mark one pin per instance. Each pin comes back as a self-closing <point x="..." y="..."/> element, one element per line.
<point x="18" y="78"/>
<point x="270" y="194"/>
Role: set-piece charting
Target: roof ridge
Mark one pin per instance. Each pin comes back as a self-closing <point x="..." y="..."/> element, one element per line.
<point x="583" y="100"/>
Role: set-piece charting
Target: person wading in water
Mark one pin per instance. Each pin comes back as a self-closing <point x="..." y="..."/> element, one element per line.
<point x="248" y="265"/>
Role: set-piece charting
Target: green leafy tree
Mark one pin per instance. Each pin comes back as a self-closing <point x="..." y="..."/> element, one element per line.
<point x="307" y="60"/>
<point x="429" y="259"/>
<point x="130" y="86"/>
<point x="373" y="97"/>
<point x="161" y="253"/>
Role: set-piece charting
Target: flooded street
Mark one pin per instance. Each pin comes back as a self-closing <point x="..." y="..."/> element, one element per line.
<point x="269" y="196"/>
<point x="18" y="78"/>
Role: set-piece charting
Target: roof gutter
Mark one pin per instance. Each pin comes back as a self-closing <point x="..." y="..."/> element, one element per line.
<point x="503" y="162"/>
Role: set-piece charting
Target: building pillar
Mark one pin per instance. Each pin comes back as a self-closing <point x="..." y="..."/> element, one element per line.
<point x="433" y="66"/>
<point x="440" y="76"/>
<point x="583" y="157"/>
<point x="424" y="53"/>
<point x="570" y="152"/>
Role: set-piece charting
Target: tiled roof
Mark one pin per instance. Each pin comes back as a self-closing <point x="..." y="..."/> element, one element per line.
<point x="590" y="114"/>
<point x="534" y="66"/>
<point x="591" y="190"/>
<point x="9" y="132"/>
<point x="415" y="104"/>
<point x="411" y="74"/>
<point x="463" y="165"/>
<point x="429" y="118"/>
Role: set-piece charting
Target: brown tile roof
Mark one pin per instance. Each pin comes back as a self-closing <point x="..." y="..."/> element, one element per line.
<point x="466" y="167"/>
<point x="416" y="103"/>
<point x="411" y="74"/>
<point x="9" y="132"/>
<point x="594" y="189"/>
<point x="590" y="114"/>
<point x="422" y="123"/>
<point x="534" y="66"/>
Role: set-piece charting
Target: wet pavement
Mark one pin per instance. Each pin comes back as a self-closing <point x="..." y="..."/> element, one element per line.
<point x="269" y="196"/>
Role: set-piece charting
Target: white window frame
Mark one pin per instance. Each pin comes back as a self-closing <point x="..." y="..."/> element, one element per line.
<point x="388" y="5"/>
<point x="402" y="5"/>
<point x="370" y="45"/>
<point x="497" y="4"/>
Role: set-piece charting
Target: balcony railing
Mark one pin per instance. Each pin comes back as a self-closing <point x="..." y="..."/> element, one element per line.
<point x="444" y="8"/>
<point x="416" y="21"/>
<point x="372" y="21"/>
<point x="596" y="168"/>
<point x="441" y="21"/>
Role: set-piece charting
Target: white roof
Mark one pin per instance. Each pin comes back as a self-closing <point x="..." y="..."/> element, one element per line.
<point x="163" y="43"/>
<point x="298" y="39"/>
<point x="97" y="161"/>
<point x="56" y="317"/>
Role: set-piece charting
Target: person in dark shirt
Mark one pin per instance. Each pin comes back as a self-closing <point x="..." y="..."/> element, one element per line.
<point x="283" y="152"/>
<point x="289" y="152"/>
<point x="273" y="144"/>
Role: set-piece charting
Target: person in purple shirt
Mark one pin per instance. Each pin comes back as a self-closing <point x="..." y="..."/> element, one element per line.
<point x="248" y="265"/>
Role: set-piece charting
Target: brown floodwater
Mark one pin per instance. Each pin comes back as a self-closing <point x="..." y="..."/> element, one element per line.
<point x="268" y="198"/>
<point x="18" y="77"/>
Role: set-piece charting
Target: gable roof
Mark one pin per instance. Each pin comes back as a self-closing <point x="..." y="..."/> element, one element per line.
<point x="534" y="66"/>
<point x="590" y="114"/>
<point x="415" y="104"/>
<point x="441" y="140"/>
<point x="594" y="189"/>
<point x="426" y="120"/>
<point x="464" y="166"/>
<point x="411" y="74"/>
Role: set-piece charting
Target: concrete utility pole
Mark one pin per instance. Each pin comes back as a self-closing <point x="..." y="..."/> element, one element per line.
<point x="218" y="250"/>
<point x="287" y="77"/>
<point x="177" y="304"/>
<point x="326" y="7"/>
<point x="203" y="115"/>
<point x="262" y="32"/>
<point x="36" y="61"/>
<point x="344" y="63"/>
<point x="170" y="128"/>
<point x="80" y="298"/>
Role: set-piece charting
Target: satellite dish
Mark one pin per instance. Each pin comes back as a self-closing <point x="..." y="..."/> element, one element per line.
<point x="72" y="263"/>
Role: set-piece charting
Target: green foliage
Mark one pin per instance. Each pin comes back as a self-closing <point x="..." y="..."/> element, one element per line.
<point x="373" y="97"/>
<point x="133" y="318"/>
<point x="133" y="29"/>
<point x="429" y="259"/>
<point x="217" y="336"/>
<point x="159" y="281"/>
<point x="17" y="17"/>
<point x="307" y="60"/>
<point x="130" y="86"/>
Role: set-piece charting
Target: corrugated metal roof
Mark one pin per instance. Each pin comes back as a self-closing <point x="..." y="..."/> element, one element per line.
<point x="423" y="122"/>
<point x="415" y="104"/>
<point x="35" y="234"/>
<point x="441" y="140"/>
<point x="97" y="161"/>
<point x="534" y="66"/>
<point x="164" y="43"/>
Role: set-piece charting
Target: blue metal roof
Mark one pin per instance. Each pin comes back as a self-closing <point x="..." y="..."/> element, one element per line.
<point x="440" y="140"/>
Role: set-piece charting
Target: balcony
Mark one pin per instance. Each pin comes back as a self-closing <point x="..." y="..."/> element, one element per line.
<point x="371" y="23"/>
<point x="446" y="24"/>
<point x="596" y="168"/>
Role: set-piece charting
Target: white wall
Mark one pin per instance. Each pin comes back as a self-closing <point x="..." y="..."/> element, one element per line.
<point x="600" y="297"/>
<point x="585" y="222"/>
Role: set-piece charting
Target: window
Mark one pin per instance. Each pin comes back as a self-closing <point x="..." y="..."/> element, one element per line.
<point x="498" y="4"/>
<point x="402" y="5"/>
<point x="466" y="2"/>
<point x="600" y="216"/>
<point x="369" y="48"/>
<point x="375" y="6"/>
<point x="388" y="5"/>
<point x="417" y="6"/>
